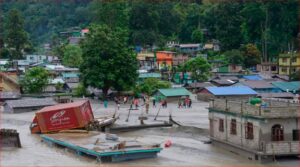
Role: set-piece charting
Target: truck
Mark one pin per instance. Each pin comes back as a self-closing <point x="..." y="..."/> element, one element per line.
<point x="75" y="115"/>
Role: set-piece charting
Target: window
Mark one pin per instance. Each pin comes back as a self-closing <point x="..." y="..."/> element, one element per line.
<point x="277" y="133"/>
<point x="294" y="60"/>
<point x="233" y="127"/>
<point x="221" y="125"/>
<point x="284" y="60"/>
<point x="249" y="130"/>
<point x="296" y="135"/>
<point x="284" y="70"/>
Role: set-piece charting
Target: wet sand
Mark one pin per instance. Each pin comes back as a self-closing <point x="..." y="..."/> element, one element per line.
<point x="187" y="148"/>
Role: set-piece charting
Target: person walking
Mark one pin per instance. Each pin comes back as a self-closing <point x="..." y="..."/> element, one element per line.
<point x="190" y="103"/>
<point x="179" y="103"/>
<point x="153" y="103"/>
<point x="105" y="102"/>
<point x="165" y="103"/>
<point x="186" y="101"/>
<point x="136" y="103"/>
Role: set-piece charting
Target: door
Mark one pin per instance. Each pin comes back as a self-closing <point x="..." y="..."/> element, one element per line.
<point x="277" y="133"/>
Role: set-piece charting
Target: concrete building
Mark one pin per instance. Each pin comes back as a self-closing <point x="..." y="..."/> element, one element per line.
<point x="164" y="60"/>
<point x="36" y="58"/>
<point x="27" y="105"/>
<point x="288" y="63"/>
<point x="256" y="132"/>
<point x="189" y="48"/>
<point x="146" y="60"/>
<point x="267" y="68"/>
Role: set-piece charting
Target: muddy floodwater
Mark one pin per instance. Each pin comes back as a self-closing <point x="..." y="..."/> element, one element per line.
<point x="188" y="141"/>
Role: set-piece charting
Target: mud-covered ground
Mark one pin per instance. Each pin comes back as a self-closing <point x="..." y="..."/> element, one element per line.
<point x="188" y="147"/>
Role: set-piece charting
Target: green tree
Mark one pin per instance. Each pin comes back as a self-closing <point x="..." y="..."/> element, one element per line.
<point x="143" y="23"/>
<point x="252" y="55"/>
<point x="151" y="85"/>
<point x="80" y="90"/>
<point x="295" y="76"/>
<point x="234" y="57"/>
<point x="108" y="62"/>
<point x="72" y="56"/>
<point x="35" y="80"/>
<point x="227" y="24"/>
<point x="197" y="36"/>
<point x="16" y="37"/>
<point x="113" y="14"/>
<point x="199" y="67"/>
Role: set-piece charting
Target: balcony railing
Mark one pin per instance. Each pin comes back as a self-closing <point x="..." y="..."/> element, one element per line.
<point x="282" y="148"/>
<point x="270" y="109"/>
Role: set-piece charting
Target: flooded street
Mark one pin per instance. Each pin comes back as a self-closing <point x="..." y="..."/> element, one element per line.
<point x="187" y="148"/>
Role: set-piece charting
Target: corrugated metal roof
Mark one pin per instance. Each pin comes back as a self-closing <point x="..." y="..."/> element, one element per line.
<point x="70" y="75"/>
<point x="231" y="90"/>
<point x="291" y="86"/>
<point x="174" y="92"/>
<point x="150" y="75"/>
<point x="252" y="77"/>
<point x="258" y="84"/>
<point x="277" y="95"/>
<point x="24" y="103"/>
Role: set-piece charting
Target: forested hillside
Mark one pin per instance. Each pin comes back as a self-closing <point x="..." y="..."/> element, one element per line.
<point x="269" y="24"/>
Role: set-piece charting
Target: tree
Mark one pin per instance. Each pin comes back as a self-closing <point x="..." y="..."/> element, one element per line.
<point x="197" y="36"/>
<point x="16" y="37"/>
<point x="295" y="76"/>
<point x="227" y="24"/>
<point x="113" y="14"/>
<point x="199" y="67"/>
<point x="35" y="80"/>
<point x="80" y="90"/>
<point x="110" y="63"/>
<point x="72" y="56"/>
<point x="151" y="85"/>
<point x="234" y="57"/>
<point x="252" y="55"/>
<point x="143" y="23"/>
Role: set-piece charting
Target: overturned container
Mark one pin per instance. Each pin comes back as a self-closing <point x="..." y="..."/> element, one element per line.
<point x="62" y="117"/>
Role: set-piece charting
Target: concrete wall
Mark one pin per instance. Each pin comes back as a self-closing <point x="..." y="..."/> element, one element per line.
<point x="239" y="138"/>
<point x="289" y="124"/>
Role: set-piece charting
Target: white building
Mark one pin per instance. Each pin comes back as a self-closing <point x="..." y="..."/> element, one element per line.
<point x="258" y="132"/>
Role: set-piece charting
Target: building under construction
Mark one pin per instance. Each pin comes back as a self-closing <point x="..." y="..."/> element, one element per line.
<point x="260" y="132"/>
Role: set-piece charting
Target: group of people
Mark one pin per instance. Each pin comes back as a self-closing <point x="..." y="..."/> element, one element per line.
<point x="182" y="103"/>
<point x="186" y="103"/>
<point x="163" y="103"/>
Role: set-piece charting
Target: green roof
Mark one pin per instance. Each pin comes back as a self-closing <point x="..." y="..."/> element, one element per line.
<point x="174" y="92"/>
<point x="291" y="86"/>
<point x="150" y="75"/>
<point x="70" y="75"/>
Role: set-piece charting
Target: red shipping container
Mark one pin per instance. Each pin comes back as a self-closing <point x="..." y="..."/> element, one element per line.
<point x="62" y="117"/>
